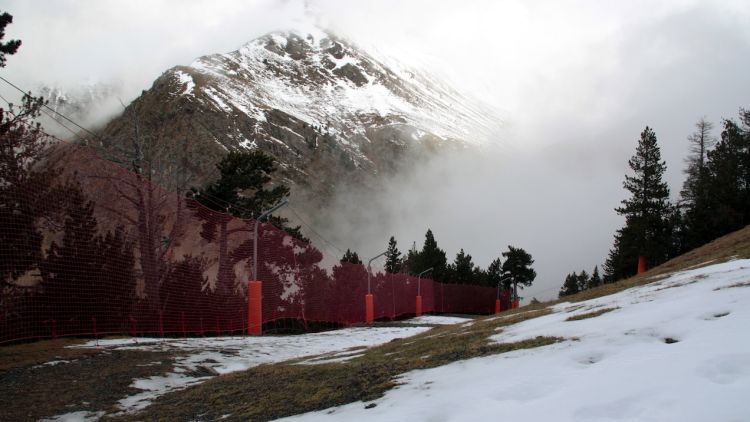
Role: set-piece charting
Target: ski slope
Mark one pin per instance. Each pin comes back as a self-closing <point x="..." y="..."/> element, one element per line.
<point x="677" y="349"/>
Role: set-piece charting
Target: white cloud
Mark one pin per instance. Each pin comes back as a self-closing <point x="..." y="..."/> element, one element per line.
<point x="577" y="81"/>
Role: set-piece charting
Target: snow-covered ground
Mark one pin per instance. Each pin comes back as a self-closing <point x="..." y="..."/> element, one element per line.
<point x="674" y="350"/>
<point x="436" y="320"/>
<point x="207" y="357"/>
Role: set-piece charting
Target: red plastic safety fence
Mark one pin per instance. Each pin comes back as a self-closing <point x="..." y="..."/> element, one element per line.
<point x="109" y="251"/>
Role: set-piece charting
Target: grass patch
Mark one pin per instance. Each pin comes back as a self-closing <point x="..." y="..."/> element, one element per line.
<point x="273" y="391"/>
<point x="92" y="381"/>
<point x="588" y="315"/>
<point x="732" y="246"/>
<point x="39" y="352"/>
<point x="731" y="286"/>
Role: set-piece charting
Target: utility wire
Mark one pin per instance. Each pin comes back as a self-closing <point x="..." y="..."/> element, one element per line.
<point x="52" y="110"/>
<point x="43" y="132"/>
<point x="77" y="135"/>
<point x="212" y="198"/>
<point x="313" y="230"/>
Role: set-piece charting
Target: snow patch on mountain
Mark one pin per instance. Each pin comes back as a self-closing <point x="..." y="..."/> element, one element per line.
<point x="186" y="81"/>
<point x="326" y="82"/>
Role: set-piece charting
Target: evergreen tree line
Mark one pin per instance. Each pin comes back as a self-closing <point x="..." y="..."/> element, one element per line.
<point x="82" y="269"/>
<point x="515" y="271"/>
<point x="714" y="200"/>
<point x="577" y="282"/>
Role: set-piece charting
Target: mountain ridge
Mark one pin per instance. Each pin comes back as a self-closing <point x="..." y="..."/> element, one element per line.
<point x="330" y="113"/>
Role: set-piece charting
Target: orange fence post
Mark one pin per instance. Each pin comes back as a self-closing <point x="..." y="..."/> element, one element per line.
<point x="419" y="306"/>
<point x="369" y="309"/>
<point x="516" y="303"/>
<point x="642" y="264"/>
<point x="254" y="308"/>
<point x="497" y="306"/>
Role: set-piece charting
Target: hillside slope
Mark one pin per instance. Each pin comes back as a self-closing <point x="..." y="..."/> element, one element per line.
<point x="677" y="349"/>
<point x="670" y="344"/>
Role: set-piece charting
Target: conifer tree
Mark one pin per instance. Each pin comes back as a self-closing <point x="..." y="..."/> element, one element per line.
<point x="431" y="256"/>
<point x="243" y="191"/>
<point x="647" y="212"/>
<point x="495" y="274"/>
<point x="463" y="268"/>
<point x="351" y="258"/>
<point x="393" y="260"/>
<point x="696" y="194"/>
<point x="479" y="277"/>
<point x="728" y="166"/>
<point x="118" y="278"/>
<point x="10" y="47"/>
<point x="583" y="280"/>
<point x="86" y="275"/>
<point x="27" y="191"/>
<point x="70" y="271"/>
<point x="570" y="286"/>
<point x="411" y="259"/>
<point x="596" y="279"/>
<point x="517" y="268"/>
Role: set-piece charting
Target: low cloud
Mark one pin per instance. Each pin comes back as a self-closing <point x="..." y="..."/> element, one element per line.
<point x="577" y="83"/>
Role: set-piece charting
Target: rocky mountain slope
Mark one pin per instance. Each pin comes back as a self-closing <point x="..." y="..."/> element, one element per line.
<point x="325" y="109"/>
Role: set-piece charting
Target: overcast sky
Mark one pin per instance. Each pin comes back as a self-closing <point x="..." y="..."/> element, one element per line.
<point x="575" y="83"/>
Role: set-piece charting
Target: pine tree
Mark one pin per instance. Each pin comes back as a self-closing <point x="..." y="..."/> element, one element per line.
<point x="431" y="256"/>
<point x="184" y="288"/>
<point x="393" y="260"/>
<point x="729" y="181"/>
<point x="351" y="258"/>
<point x="647" y="212"/>
<point x="517" y="268"/>
<point x="495" y="274"/>
<point x="87" y="275"/>
<point x="10" y="47"/>
<point x="583" y="280"/>
<point x="411" y="259"/>
<point x="27" y="193"/>
<point x="463" y="268"/>
<point x="595" y="280"/>
<point x="71" y="271"/>
<point x="701" y="141"/>
<point x="570" y="286"/>
<point x="241" y="191"/>
<point x="118" y="279"/>
<point x="695" y="194"/>
<point x="479" y="277"/>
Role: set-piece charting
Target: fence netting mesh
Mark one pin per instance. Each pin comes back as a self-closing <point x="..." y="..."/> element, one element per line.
<point x="103" y="250"/>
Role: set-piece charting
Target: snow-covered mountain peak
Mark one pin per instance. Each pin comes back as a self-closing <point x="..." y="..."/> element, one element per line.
<point x="329" y="112"/>
<point x="326" y="81"/>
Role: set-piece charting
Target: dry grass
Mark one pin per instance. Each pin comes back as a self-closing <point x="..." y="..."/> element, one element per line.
<point x="732" y="246"/>
<point x="588" y="315"/>
<point x="79" y="380"/>
<point x="273" y="391"/>
<point x="29" y="354"/>
<point x="745" y="284"/>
